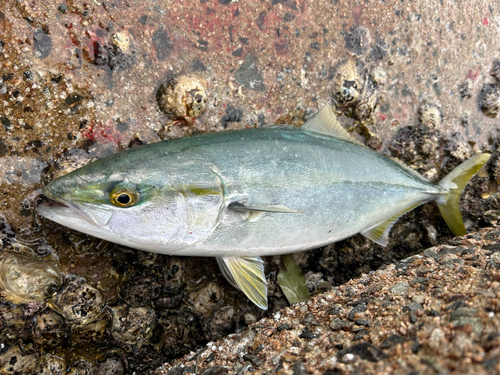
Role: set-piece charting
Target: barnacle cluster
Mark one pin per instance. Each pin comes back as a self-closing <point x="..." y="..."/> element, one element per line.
<point x="418" y="145"/>
<point x="52" y="321"/>
<point x="356" y="94"/>
<point x="356" y="89"/>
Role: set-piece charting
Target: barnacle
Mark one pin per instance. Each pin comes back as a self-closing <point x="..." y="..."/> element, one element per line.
<point x="12" y="324"/>
<point x="80" y="302"/>
<point x="379" y="76"/>
<point x="489" y="100"/>
<point x="121" y="40"/>
<point x="182" y="98"/>
<point x="430" y="116"/>
<point x="24" y="277"/>
<point x="14" y="360"/>
<point x="89" y="334"/>
<point x="367" y="104"/>
<point x="221" y="321"/>
<point x="347" y="83"/>
<point x="206" y="299"/>
<point x="370" y="95"/>
<point x="117" y="53"/>
<point x="111" y="365"/>
<point x="51" y="364"/>
<point x="49" y="329"/>
<point x="132" y="325"/>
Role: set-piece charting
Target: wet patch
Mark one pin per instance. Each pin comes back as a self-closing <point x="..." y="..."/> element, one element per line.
<point x="249" y="76"/>
<point x="42" y="43"/>
<point x="162" y="43"/>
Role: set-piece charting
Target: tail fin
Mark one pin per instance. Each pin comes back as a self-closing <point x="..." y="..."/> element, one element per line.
<point x="455" y="184"/>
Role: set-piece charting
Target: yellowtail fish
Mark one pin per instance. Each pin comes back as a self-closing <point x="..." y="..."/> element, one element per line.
<point x="239" y="195"/>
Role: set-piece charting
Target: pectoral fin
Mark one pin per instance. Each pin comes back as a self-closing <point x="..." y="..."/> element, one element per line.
<point x="380" y="232"/>
<point x="239" y="206"/>
<point x="246" y="274"/>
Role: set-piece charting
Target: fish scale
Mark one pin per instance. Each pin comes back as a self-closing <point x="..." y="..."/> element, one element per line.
<point x="239" y="195"/>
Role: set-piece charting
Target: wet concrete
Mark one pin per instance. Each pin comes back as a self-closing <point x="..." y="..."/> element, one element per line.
<point x="417" y="81"/>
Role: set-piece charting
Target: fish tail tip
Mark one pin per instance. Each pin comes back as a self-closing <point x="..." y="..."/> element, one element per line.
<point x="455" y="183"/>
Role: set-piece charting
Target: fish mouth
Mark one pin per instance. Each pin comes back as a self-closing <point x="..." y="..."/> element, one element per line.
<point x="52" y="203"/>
<point x="62" y="209"/>
<point x="64" y="213"/>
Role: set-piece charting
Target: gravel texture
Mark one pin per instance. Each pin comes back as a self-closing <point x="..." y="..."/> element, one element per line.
<point x="433" y="313"/>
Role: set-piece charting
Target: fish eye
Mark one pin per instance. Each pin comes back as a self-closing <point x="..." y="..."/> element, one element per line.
<point x="124" y="198"/>
<point x="124" y="195"/>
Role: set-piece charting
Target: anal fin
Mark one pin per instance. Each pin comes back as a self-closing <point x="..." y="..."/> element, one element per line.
<point x="246" y="274"/>
<point x="380" y="232"/>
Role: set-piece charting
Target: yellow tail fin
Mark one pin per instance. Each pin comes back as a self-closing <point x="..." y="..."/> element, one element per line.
<point x="455" y="184"/>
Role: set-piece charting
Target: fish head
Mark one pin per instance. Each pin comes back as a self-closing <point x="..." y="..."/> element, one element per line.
<point x="155" y="210"/>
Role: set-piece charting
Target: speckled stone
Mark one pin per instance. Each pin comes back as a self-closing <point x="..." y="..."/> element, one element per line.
<point x="449" y="326"/>
<point x="399" y="288"/>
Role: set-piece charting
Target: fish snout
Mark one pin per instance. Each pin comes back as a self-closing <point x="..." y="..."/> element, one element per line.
<point x="60" y="190"/>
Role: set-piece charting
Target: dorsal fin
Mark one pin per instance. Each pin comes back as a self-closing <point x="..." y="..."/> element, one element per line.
<point x="325" y="122"/>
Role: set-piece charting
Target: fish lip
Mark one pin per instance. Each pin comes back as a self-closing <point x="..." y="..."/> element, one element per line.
<point x="53" y="203"/>
<point x="48" y="193"/>
<point x="56" y="205"/>
<point x="59" y="208"/>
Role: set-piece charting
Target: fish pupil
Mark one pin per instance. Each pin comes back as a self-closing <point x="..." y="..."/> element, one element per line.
<point x="123" y="198"/>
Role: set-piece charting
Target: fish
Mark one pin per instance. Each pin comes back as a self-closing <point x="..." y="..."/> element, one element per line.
<point x="242" y="194"/>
